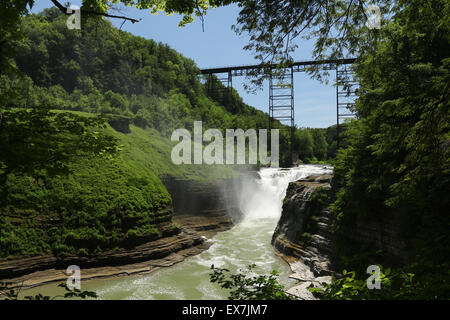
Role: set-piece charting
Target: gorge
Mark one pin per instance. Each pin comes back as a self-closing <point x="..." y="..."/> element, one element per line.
<point x="259" y="199"/>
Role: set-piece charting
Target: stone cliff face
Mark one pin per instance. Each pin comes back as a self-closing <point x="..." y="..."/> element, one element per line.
<point x="303" y="236"/>
<point x="303" y="231"/>
<point x="119" y="123"/>
<point x="205" y="199"/>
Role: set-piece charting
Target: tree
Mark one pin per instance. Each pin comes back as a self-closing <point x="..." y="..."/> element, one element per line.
<point x="11" y="13"/>
<point x="245" y="285"/>
<point x="396" y="166"/>
<point x="303" y="143"/>
<point x="38" y="139"/>
<point x="320" y="143"/>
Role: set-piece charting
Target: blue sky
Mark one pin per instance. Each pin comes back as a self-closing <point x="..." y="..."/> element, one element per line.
<point x="218" y="46"/>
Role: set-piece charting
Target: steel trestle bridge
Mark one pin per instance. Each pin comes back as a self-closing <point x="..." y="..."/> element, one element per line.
<point x="281" y="88"/>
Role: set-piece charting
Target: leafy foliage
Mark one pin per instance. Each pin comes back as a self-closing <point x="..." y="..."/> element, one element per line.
<point x="248" y="286"/>
<point x="10" y="16"/>
<point x="13" y="294"/>
<point x="38" y="138"/>
<point x="397" y="164"/>
<point x="394" y="284"/>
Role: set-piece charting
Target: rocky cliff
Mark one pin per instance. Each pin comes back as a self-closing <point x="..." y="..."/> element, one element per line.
<point x="211" y="199"/>
<point x="303" y="231"/>
<point x="303" y="235"/>
<point x="119" y="123"/>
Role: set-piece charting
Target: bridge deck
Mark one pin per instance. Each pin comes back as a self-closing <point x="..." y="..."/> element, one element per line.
<point x="259" y="66"/>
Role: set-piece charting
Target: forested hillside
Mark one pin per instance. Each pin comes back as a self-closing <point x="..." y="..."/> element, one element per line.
<point x="101" y="69"/>
<point x="62" y="198"/>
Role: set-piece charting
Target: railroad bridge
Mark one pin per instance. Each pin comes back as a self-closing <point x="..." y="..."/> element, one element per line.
<point x="281" y="88"/>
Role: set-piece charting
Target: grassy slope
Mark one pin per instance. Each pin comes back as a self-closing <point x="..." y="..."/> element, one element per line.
<point x="104" y="204"/>
<point x="148" y="149"/>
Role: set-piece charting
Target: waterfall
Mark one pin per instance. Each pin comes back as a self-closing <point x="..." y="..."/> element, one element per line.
<point x="262" y="198"/>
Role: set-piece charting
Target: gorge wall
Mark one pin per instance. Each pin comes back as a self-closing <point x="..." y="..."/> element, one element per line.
<point x="206" y="207"/>
<point x="190" y="197"/>
<point x="303" y="231"/>
<point x="199" y="211"/>
<point x="306" y="239"/>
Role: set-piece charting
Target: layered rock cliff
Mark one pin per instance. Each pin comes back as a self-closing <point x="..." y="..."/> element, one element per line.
<point x="205" y="199"/>
<point x="303" y="235"/>
<point x="303" y="230"/>
<point x="199" y="211"/>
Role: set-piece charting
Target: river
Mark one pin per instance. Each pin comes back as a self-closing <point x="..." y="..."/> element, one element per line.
<point x="246" y="243"/>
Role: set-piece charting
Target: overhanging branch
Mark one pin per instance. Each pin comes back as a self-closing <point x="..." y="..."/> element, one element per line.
<point x="63" y="9"/>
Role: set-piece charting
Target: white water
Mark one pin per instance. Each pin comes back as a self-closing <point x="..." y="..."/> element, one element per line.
<point x="246" y="243"/>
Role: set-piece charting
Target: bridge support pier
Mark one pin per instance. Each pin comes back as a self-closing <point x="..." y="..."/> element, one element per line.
<point x="345" y="96"/>
<point x="226" y="82"/>
<point x="281" y="104"/>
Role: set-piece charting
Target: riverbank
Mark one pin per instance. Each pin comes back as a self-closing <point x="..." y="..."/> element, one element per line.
<point x="190" y="240"/>
<point x="200" y="210"/>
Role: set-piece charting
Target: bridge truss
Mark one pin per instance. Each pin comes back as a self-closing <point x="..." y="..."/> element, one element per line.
<point x="281" y="89"/>
<point x="346" y="94"/>
<point x="225" y="80"/>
